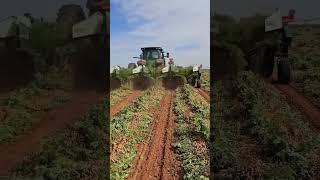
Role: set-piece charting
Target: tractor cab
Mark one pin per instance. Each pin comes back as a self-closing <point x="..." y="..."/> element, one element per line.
<point x="150" y="58"/>
<point x="153" y="56"/>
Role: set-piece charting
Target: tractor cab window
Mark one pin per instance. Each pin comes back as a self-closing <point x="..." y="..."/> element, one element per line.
<point x="153" y="54"/>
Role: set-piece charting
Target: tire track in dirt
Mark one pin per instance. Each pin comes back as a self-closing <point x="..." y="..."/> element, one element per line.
<point x="204" y="94"/>
<point x="303" y="103"/>
<point x="126" y="100"/>
<point x="155" y="159"/>
<point x="57" y="119"/>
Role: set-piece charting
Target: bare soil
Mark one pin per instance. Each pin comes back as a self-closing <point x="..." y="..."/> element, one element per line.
<point x="156" y="159"/>
<point x="302" y="102"/>
<point x="128" y="99"/>
<point x="204" y="94"/>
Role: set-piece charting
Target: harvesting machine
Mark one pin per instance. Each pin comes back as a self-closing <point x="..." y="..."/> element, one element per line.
<point x="17" y="58"/>
<point x="195" y="77"/>
<point x="95" y="29"/>
<point x="156" y="65"/>
<point x="272" y="60"/>
<point x="151" y="66"/>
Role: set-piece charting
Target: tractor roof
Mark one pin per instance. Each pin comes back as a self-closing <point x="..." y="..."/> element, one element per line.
<point x="148" y="48"/>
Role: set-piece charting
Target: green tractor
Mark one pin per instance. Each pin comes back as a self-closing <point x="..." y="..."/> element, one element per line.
<point x="152" y="68"/>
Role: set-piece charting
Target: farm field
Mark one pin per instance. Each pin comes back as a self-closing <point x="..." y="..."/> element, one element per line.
<point x="29" y="116"/>
<point x="52" y="99"/>
<point x="160" y="134"/>
<point x="265" y="130"/>
<point x="206" y="80"/>
<point x="260" y="135"/>
<point x="305" y="61"/>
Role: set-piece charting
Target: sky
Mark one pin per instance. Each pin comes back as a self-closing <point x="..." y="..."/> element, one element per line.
<point x="181" y="27"/>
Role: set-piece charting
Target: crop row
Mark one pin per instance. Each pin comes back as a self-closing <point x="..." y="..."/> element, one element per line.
<point x="118" y="94"/>
<point x="129" y="128"/>
<point x="201" y="108"/>
<point x="206" y="80"/>
<point x="276" y="125"/>
<point x="191" y="136"/>
<point x="80" y="152"/>
<point x="20" y="106"/>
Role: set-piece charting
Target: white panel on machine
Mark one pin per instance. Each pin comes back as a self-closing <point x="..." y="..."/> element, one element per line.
<point x="88" y="27"/>
<point x="137" y="70"/>
<point x="273" y="22"/>
<point x="5" y="27"/>
<point x="165" y="69"/>
<point x="195" y="68"/>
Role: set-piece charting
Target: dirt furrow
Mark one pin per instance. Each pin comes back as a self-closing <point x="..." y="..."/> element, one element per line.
<point x="303" y="103"/>
<point x="204" y="94"/>
<point x="57" y="119"/>
<point x="155" y="159"/>
<point x="126" y="100"/>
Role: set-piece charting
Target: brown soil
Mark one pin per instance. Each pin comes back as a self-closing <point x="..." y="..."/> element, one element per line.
<point x="118" y="147"/>
<point x="78" y="105"/>
<point x="200" y="145"/>
<point x="303" y="103"/>
<point x="155" y="159"/>
<point x="204" y="94"/>
<point x="128" y="99"/>
<point x="201" y="148"/>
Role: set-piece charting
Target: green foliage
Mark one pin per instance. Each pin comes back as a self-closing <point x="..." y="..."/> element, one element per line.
<point x="185" y="71"/>
<point x="18" y="109"/>
<point x="124" y="74"/>
<point x="235" y="56"/>
<point x="79" y="152"/>
<point x="280" y="128"/>
<point x="194" y="166"/>
<point x="120" y="127"/>
<point x="118" y="94"/>
<point x="244" y="34"/>
<point x="201" y="109"/>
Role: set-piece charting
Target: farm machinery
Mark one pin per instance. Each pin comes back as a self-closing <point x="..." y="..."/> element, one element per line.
<point x="154" y="65"/>
<point x="195" y="77"/>
<point x="272" y="60"/>
<point x="95" y="30"/>
<point x="17" y="58"/>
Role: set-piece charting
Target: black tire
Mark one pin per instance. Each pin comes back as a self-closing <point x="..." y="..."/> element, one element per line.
<point x="197" y="83"/>
<point x="284" y="71"/>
